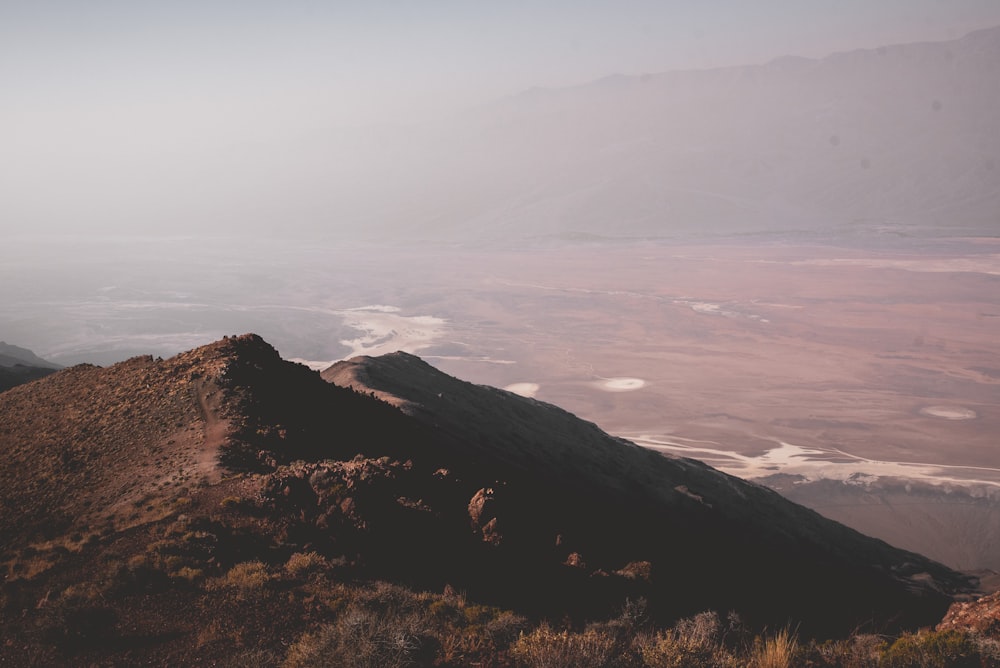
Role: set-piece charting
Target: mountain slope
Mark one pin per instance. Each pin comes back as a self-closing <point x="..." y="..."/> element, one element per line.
<point x="955" y="525"/>
<point x="163" y="511"/>
<point x="683" y="516"/>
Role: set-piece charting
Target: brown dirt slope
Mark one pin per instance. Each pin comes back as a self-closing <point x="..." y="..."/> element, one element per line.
<point x="90" y="446"/>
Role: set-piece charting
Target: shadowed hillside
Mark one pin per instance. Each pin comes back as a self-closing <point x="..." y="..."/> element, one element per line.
<point x="202" y="506"/>
<point x="687" y="519"/>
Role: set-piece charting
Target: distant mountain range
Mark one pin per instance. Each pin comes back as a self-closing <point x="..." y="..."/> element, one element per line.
<point x="901" y="139"/>
<point x="177" y="470"/>
<point x="20" y="365"/>
<point x="11" y="355"/>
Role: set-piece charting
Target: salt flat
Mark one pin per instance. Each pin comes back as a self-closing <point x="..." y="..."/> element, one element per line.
<point x="884" y="351"/>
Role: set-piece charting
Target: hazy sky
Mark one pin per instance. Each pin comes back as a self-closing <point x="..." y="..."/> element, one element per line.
<point x="96" y="92"/>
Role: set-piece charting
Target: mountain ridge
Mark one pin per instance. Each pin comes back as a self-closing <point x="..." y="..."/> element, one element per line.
<point x="426" y="396"/>
<point x="980" y="35"/>
<point x="170" y="476"/>
<point x="897" y="140"/>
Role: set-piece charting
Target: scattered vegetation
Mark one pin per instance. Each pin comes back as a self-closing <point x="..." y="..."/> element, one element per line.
<point x="387" y="625"/>
<point x="246" y="580"/>
<point x="302" y="564"/>
<point x="942" y="649"/>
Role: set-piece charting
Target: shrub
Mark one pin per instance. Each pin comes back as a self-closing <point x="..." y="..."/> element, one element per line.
<point x="82" y="593"/>
<point x="546" y="648"/>
<point x="479" y="614"/>
<point x="695" y="642"/>
<point x="231" y="503"/>
<point x="246" y="579"/>
<point x="364" y="638"/>
<point x="137" y="576"/>
<point x="777" y="651"/>
<point x="858" y="651"/>
<point x="940" y="649"/>
<point x="444" y="611"/>
<point x="188" y="574"/>
<point x="504" y="628"/>
<point x="304" y="563"/>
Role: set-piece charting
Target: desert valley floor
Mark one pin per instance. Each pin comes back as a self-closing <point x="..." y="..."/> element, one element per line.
<point x="755" y="358"/>
<point x="837" y="361"/>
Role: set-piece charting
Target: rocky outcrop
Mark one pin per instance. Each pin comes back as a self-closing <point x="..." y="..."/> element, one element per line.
<point x="981" y="617"/>
<point x="482" y="515"/>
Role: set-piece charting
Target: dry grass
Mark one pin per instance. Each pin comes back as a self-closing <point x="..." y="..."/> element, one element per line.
<point x="702" y="640"/>
<point x="546" y="648"/>
<point x="245" y="580"/>
<point x="302" y="564"/>
<point x="777" y="651"/>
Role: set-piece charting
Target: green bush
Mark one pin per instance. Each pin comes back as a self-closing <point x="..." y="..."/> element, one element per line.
<point x="938" y="649"/>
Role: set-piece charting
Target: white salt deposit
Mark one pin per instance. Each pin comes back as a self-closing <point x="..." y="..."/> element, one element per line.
<point x="524" y="389"/>
<point x="383" y="330"/>
<point x="949" y="412"/>
<point x="621" y="384"/>
<point x="814" y="463"/>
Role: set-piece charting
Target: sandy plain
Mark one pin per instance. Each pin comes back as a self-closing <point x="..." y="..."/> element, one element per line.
<point x="885" y="361"/>
<point x="859" y="377"/>
<point x="877" y="354"/>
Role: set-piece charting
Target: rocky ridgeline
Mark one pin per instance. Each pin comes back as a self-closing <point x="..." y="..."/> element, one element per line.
<point x="84" y="443"/>
<point x="159" y="492"/>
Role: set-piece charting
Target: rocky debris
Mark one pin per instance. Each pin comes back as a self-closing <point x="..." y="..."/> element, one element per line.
<point x="637" y="570"/>
<point x="683" y="489"/>
<point x="981" y="617"/>
<point x="483" y="516"/>
<point x="327" y="489"/>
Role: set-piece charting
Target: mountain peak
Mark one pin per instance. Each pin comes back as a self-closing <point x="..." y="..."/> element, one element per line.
<point x="244" y="347"/>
